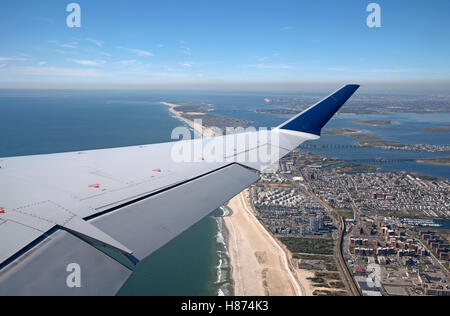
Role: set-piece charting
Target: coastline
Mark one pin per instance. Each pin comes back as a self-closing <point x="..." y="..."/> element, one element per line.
<point x="259" y="264"/>
<point x="206" y="132"/>
<point x="224" y="281"/>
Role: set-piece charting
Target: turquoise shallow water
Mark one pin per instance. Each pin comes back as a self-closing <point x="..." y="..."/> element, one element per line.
<point x="39" y="122"/>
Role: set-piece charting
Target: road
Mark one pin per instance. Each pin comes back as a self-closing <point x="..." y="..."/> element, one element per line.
<point x="444" y="269"/>
<point x="340" y="241"/>
<point x="351" y="281"/>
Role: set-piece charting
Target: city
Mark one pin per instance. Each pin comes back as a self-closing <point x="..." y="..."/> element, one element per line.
<point x="391" y="245"/>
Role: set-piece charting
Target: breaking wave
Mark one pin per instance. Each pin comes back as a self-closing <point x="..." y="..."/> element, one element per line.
<point x="223" y="279"/>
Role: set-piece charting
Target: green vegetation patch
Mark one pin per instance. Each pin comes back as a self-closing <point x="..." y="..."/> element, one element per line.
<point x="325" y="258"/>
<point x="346" y="213"/>
<point x="320" y="281"/>
<point x="328" y="276"/>
<point x="375" y="123"/>
<point x="329" y="293"/>
<point x="309" y="245"/>
<point x="342" y="131"/>
<point x="355" y="168"/>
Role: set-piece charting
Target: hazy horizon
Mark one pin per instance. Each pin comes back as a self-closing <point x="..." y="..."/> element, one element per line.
<point x="368" y="87"/>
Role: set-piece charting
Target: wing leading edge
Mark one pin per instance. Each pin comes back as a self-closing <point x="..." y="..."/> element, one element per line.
<point x="106" y="210"/>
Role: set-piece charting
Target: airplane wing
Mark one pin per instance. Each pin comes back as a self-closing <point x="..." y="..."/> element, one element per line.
<point x="98" y="213"/>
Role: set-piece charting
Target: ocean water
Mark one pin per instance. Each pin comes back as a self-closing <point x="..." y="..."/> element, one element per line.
<point x="193" y="264"/>
<point x="196" y="263"/>
<point x="33" y="122"/>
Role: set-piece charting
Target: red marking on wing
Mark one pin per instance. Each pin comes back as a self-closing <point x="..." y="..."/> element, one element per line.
<point x="157" y="170"/>
<point x="81" y="153"/>
<point x="2" y="210"/>
<point x="95" y="186"/>
<point x="142" y="147"/>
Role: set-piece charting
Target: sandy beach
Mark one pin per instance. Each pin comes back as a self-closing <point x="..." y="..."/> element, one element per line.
<point x="261" y="267"/>
<point x="206" y="132"/>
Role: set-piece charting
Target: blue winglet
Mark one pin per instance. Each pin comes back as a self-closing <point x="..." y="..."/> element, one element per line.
<point x="316" y="117"/>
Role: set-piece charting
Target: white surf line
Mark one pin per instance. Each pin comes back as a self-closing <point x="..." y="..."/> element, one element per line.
<point x="237" y="256"/>
<point x="286" y="261"/>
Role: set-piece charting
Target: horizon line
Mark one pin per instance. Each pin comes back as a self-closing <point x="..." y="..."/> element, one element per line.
<point x="411" y="84"/>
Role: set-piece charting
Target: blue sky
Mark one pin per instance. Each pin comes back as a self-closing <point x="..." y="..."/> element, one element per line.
<point x="196" y="42"/>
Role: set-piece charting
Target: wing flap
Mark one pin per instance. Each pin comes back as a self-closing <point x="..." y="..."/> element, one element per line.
<point x="149" y="224"/>
<point x="44" y="270"/>
<point x="144" y="226"/>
